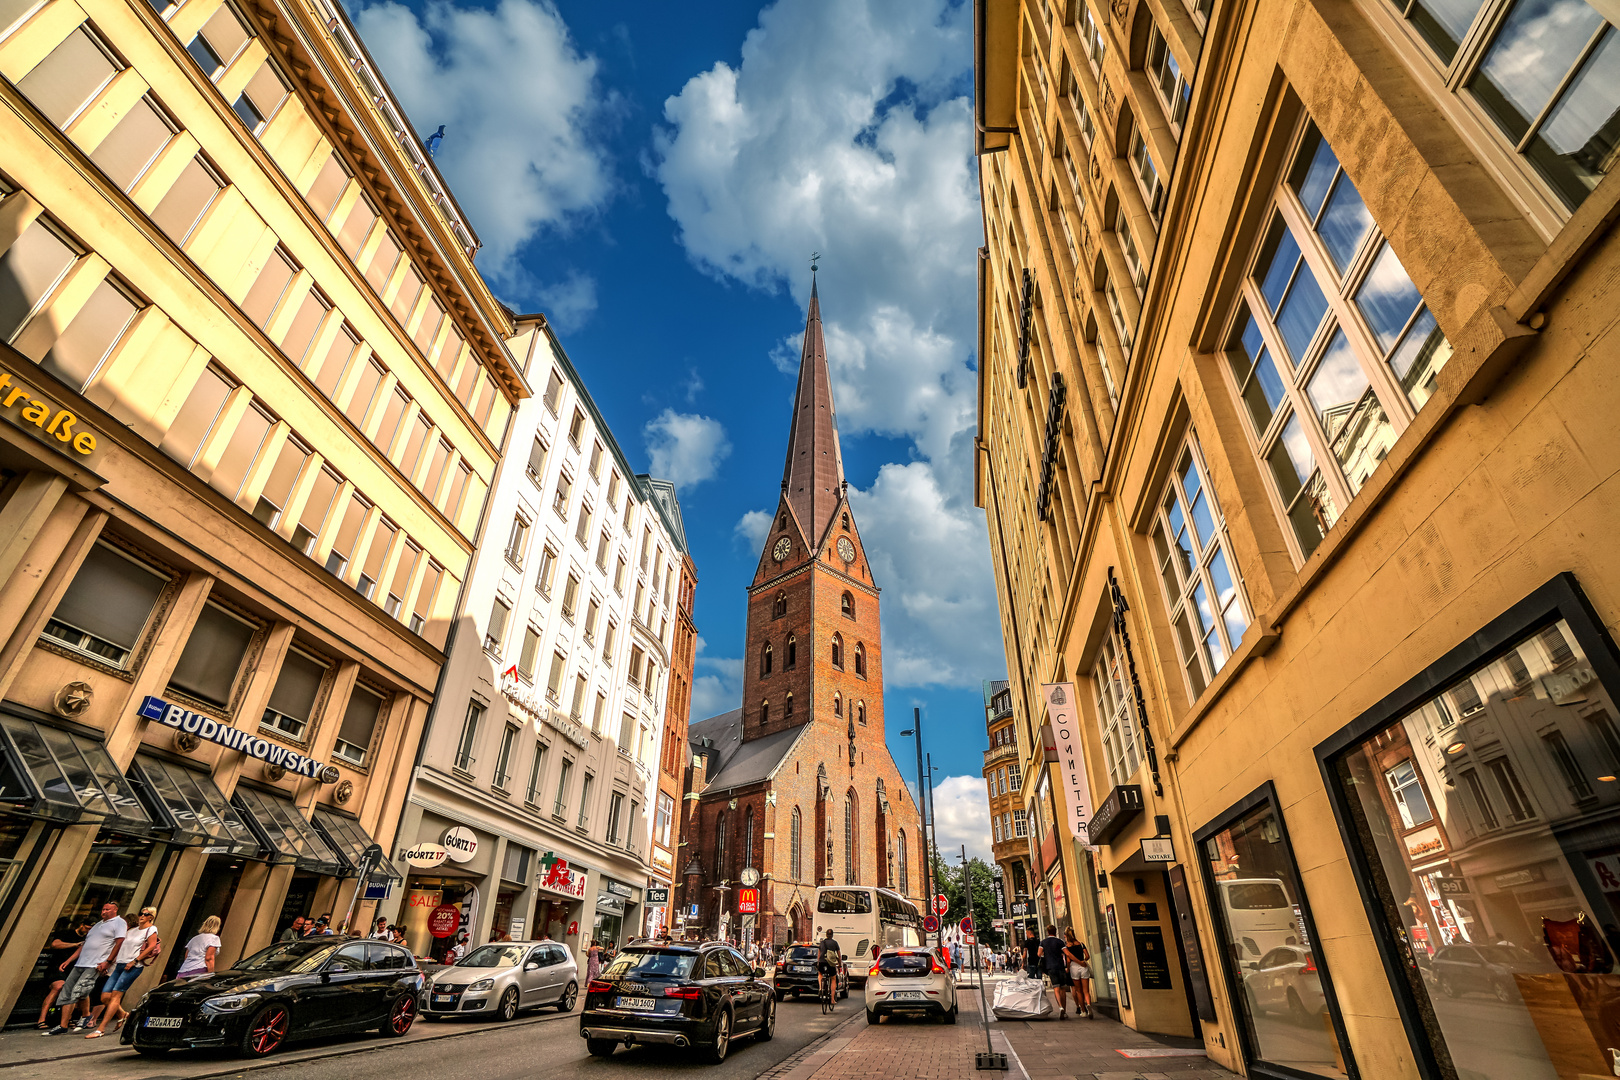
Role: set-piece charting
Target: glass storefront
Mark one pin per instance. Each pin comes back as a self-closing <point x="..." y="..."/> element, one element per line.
<point x="1274" y="973"/>
<point x="1488" y="813"/>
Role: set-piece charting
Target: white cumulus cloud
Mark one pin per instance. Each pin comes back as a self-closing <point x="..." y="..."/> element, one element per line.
<point x="569" y="301"/>
<point x="962" y="817"/>
<point x="846" y="129"/>
<point x="716" y="684"/>
<point x="521" y="105"/>
<point x="685" y="448"/>
<point x="752" y="529"/>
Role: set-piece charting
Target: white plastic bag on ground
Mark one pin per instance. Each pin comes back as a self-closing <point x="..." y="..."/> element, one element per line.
<point x="1021" y="998"/>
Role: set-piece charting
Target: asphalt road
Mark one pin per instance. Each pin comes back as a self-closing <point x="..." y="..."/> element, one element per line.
<point x="527" y="1049"/>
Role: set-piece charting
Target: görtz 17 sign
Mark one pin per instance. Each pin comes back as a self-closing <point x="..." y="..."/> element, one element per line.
<point x="155" y="708"/>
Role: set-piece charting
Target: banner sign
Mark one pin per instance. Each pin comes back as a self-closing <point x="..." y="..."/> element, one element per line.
<point x="155" y="708"/>
<point x="1000" y="891"/>
<point x="556" y="876"/>
<point x="1063" y="714"/>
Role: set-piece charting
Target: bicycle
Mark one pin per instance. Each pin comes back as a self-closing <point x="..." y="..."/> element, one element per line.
<point x="829" y="992"/>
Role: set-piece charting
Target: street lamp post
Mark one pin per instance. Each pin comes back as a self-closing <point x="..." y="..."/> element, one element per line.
<point x="922" y="811"/>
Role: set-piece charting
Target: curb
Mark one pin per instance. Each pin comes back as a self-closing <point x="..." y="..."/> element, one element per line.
<point x="298" y="1057"/>
<point x="787" y="1068"/>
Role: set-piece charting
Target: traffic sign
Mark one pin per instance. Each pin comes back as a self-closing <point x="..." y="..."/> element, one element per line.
<point x="966" y="924"/>
<point x="930" y="924"/>
<point x="941" y="904"/>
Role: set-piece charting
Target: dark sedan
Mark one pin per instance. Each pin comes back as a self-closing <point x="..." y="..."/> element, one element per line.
<point x="701" y="995"/>
<point x="796" y="972"/>
<point x="302" y="989"/>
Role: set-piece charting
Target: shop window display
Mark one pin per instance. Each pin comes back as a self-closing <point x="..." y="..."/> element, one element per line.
<point x="1277" y="977"/>
<point x="1503" y="902"/>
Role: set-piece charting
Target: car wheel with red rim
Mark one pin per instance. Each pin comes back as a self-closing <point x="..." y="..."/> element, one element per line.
<point x="266" y="1031"/>
<point x="400" y="1017"/>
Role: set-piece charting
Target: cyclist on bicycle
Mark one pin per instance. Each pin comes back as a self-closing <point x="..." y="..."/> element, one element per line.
<point x="827" y="964"/>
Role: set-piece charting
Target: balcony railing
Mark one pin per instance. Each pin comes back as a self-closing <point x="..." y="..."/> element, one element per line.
<point x="1007" y="752"/>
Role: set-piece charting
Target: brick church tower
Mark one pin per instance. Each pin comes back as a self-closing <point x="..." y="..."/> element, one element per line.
<point x="798" y="784"/>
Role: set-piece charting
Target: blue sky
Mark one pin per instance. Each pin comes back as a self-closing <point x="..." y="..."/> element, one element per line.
<point x="655" y="177"/>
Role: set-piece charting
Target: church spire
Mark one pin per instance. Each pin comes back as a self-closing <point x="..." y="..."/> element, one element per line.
<point x="813" y="476"/>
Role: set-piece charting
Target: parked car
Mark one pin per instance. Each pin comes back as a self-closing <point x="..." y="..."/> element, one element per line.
<point x="796" y="972"/>
<point x="1483" y="969"/>
<point x="1286" y="980"/>
<point x="700" y="995"/>
<point x="912" y="982"/>
<point x="504" y="978"/>
<point x="303" y="989"/>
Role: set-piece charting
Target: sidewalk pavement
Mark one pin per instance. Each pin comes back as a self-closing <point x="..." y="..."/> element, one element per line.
<point x="1070" y="1049"/>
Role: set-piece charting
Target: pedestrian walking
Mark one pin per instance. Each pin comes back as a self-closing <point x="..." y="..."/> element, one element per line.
<point x="1079" y="961"/>
<point x="141" y="946"/>
<point x="89" y="961"/>
<point x="295" y="931"/>
<point x="593" y="960"/>
<point x="201" y="950"/>
<point x="379" y="932"/>
<point x="64" y="942"/>
<point x="1057" y="969"/>
<point x="1032" y="955"/>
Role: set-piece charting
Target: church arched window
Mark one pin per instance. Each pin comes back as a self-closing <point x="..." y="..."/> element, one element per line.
<point x="900" y="857"/>
<point x="852" y="866"/>
<point x="787" y="707"/>
<point x="848" y="604"/>
<point x="795" y="866"/>
<point x="860" y="713"/>
<point x="764" y="713"/>
<point x="846" y="523"/>
<point x="748" y="838"/>
<point x="792" y="658"/>
<point x="860" y="660"/>
<point x="781" y="522"/>
<point x="838" y="704"/>
<point x="765" y="659"/>
<point x="779" y="608"/>
<point x="838" y="651"/>
<point x="720" y="847"/>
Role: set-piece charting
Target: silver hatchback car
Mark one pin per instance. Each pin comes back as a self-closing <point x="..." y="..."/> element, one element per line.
<point x="502" y="979"/>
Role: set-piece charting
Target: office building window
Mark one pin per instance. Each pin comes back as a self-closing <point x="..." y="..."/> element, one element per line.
<point x="106" y="608"/>
<point x="559" y="807"/>
<point x="209" y="665"/>
<point x="537" y="768"/>
<point x="291" y="707"/>
<point x="503" y="757"/>
<point x="469" y="737"/>
<point x="360" y="718"/>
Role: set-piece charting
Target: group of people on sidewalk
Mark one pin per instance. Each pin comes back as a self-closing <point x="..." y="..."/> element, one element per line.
<point x="1066" y="962"/>
<point x="98" y="964"/>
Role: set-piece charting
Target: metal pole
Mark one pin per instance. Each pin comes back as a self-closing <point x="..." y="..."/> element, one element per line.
<point x="988" y="1059"/>
<point x="922" y="818"/>
<point x="939" y="935"/>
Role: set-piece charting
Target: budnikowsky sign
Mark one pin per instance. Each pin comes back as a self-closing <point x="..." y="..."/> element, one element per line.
<point x="205" y="727"/>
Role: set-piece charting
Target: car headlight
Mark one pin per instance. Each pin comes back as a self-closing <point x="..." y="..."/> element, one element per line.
<point x="481" y="984"/>
<point x="230" y="1002"/>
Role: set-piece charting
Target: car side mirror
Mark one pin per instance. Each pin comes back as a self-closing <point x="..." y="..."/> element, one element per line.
<point x="759" y="973"/>
<point x="532" y="965"/>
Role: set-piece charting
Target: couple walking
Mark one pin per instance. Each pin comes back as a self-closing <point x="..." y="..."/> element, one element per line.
<point x="112" y="950"/>
<point x="1068" y="964"/>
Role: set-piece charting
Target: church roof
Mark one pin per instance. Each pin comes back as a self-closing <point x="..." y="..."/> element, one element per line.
<point x="740" y="763"/>
<point x="813" y="476"/>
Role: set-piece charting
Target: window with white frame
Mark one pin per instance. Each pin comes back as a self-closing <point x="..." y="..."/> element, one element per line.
<point x="1147" y="173"/>
<point x="1332" y="349"/>
<point x="1020" y="823"/>
<point x="1121" y="746"/>
<point x="503" y="757"/>
<point x="1127" y="247"/>
<point x="1015" y="777"/>
<point x="1207" y="607"/>
<point x="1175" y="92"/>
<point x="1092" y="39"/>
<point x="1123" y="327"/>
<point x="1542" y="75"/>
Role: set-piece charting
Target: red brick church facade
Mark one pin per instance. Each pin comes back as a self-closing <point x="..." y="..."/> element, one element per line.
<point x="798" y="783"/>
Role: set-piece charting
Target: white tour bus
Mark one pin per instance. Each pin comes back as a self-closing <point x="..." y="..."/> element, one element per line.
<point x="860" y="917"/>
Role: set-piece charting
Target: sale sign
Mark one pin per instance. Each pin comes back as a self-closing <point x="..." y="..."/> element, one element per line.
<point x="444" y="920"/>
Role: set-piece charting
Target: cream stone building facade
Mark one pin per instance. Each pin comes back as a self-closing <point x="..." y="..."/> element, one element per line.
<point x="538" y="775"/>
<point x="258" y="394"/>
<point x="1298" y="340"/>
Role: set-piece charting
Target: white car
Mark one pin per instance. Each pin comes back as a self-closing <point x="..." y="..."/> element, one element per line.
<point x="910" y="981"/>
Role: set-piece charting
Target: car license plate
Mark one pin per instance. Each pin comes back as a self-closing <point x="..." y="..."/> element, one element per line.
<point x="908" y="995"/>
<point x="801" y="967"/>
<point x="163" y="1021"/>
<point x="637" y="1004"/>
<point x="443" y="999"/>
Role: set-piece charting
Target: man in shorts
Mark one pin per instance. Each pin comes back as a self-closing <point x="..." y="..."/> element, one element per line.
<point x="89" y="962"/>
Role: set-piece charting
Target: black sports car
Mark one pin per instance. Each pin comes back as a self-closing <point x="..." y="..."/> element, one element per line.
<point x="294" y="990"/>
<point x="796" y="972"/>
<point x="677" y="995"/>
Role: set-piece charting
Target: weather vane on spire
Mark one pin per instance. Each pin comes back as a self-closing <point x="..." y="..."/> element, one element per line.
<point x="815" y="257"/>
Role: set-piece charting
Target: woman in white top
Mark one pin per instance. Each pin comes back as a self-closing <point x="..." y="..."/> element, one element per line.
<point x="201" y="950"/>
<point x="141" y="947"/>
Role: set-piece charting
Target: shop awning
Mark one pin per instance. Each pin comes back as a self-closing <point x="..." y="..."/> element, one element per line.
<point x="285" y="832"/>
<point x="348" y="839"/>
<point x="200" y="814"/>
<point x="67" y="777"/>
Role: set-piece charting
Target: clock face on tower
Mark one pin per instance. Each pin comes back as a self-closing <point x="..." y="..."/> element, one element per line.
<point x="846" y="550"/>
<point x="780" y="551"/>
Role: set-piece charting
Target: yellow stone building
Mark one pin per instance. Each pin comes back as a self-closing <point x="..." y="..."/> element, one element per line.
<point x="254" y="393"/>
<point x="1299" y="345"/>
